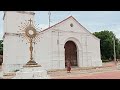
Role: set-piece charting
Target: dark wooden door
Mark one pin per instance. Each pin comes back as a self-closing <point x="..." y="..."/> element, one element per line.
<point x="70" y="53"/>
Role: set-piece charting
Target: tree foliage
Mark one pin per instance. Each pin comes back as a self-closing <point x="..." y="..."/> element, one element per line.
<point x="1" y="47"/>
<point x="107" y="44"/>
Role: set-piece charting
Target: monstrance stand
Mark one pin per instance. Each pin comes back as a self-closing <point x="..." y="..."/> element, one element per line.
<point x="30" y="33"/>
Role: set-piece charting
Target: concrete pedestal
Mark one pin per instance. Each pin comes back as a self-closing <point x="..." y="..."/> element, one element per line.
<point x="1" y="74"/>
<point x="31" y="73"/>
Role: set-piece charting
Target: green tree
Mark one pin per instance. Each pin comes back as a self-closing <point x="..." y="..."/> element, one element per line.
<point x="1" y="47"/>
<point x="106" y="44"/>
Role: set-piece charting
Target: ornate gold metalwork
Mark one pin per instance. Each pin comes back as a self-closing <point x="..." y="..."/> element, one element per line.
<point x="30" y="34"/>
<point x="31" y="62"/>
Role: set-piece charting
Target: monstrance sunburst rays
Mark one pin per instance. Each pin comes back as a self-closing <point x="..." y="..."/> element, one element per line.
<point x="29" y="32"/>
<point x="23" y="27"/>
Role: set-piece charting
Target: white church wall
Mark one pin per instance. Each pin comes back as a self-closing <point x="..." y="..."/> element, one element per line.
<point x="66" y="26"/>
<point x="86" y="54"/>
<point x="10" y="53"/>
<point x="91" y="51"/>
<point x="63" y="38"/>
<point x="14" y="52"/>
<point x="13" y="19"/>
<point x="49" y="51"/>
<point x="76" y="34"/>
<point x="23" y="53"/>
<point x="42" y="51"/>
<point x="17" y="54"/>
<point x="57" y="51"/>
<point x="89" y="55"/>
<point x="94" y="47"/>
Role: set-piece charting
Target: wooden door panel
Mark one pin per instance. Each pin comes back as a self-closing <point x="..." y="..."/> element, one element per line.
<point x="71" y="53"/>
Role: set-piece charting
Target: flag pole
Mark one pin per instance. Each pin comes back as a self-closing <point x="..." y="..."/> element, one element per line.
<point x="49" y="13"/>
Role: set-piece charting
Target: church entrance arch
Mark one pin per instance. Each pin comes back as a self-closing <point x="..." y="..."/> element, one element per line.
<point x="70" y="53"/>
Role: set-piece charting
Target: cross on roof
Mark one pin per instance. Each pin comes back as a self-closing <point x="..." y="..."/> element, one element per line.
<point x="30" y="21"/>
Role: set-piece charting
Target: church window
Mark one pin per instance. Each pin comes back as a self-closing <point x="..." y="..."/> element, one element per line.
<point x="71" y="25"/>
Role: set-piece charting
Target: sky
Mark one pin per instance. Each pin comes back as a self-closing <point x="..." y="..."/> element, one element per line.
<point x="94" y="21"/>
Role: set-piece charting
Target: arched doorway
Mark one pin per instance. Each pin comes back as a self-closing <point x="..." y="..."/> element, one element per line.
<point x="70" y="53"/>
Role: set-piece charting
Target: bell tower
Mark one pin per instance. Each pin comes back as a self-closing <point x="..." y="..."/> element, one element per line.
<point x="12" y="19"/>
<point x="14" y="51"/>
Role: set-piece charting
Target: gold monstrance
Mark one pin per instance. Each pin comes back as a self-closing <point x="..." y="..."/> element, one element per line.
<point x="30" y="33"/>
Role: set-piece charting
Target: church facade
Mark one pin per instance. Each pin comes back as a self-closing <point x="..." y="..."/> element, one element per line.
<point x="65" y="41"/>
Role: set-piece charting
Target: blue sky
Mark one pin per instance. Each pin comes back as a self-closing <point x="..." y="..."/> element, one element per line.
<point x="94" y="21"/>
